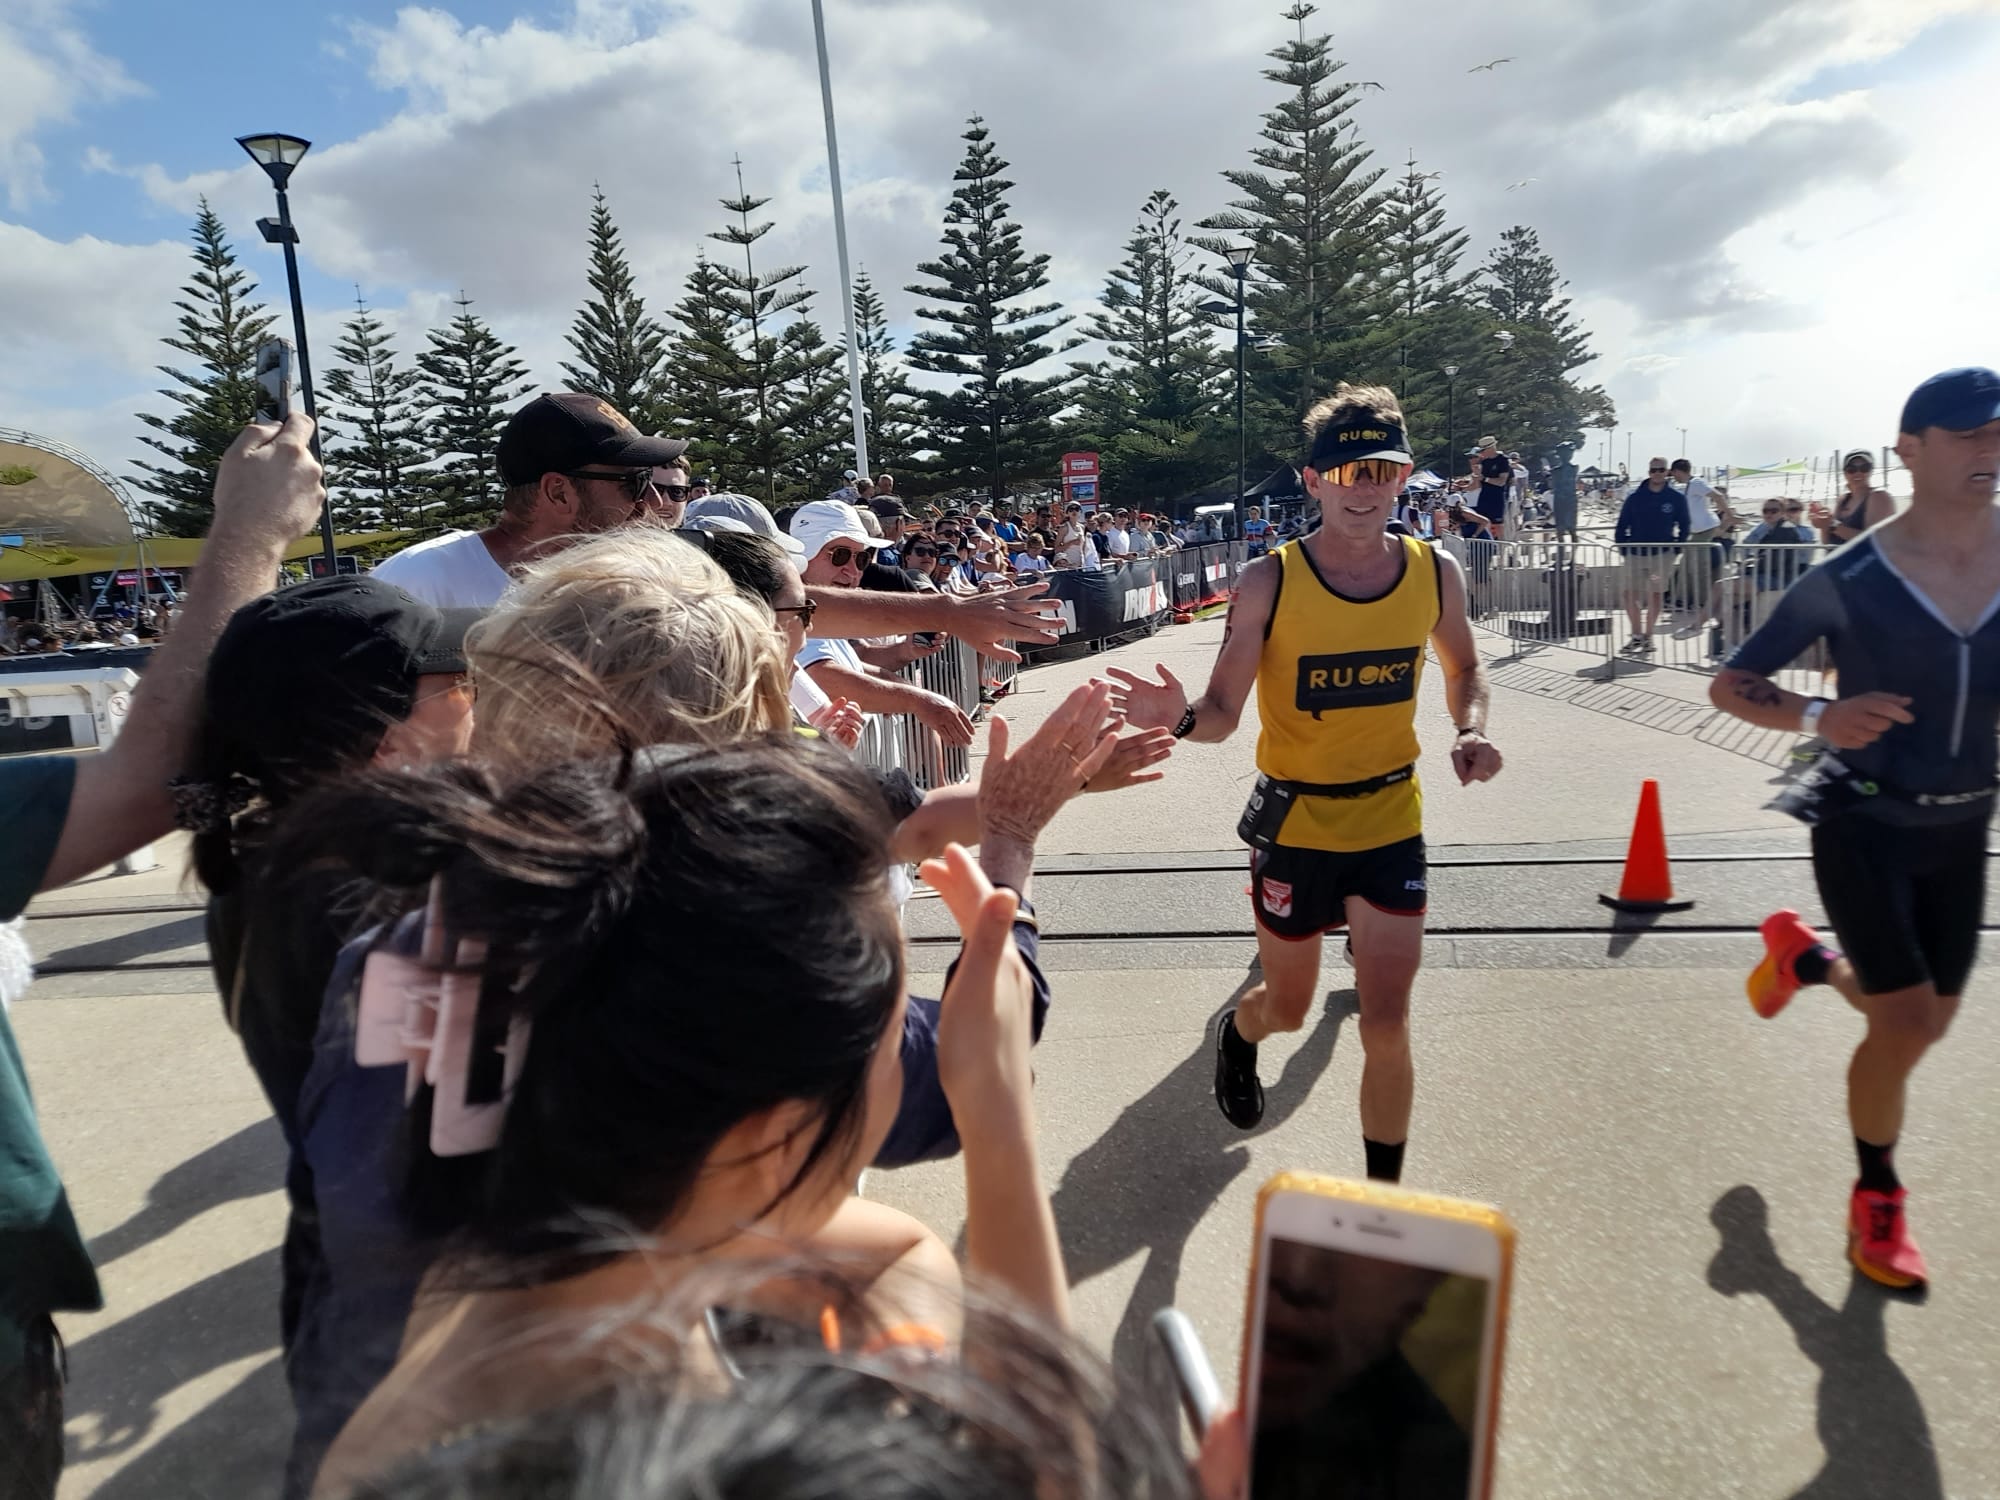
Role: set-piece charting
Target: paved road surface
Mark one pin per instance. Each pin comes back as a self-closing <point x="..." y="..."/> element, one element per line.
<point x="1610" y="1089"/>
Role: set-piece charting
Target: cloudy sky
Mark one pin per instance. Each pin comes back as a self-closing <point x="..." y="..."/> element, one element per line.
<point x="1776" y="216"/>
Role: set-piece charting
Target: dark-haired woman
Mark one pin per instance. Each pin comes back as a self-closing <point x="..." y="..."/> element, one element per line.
<point x="651" y="1130"/>
<point x="1861" y="506"/>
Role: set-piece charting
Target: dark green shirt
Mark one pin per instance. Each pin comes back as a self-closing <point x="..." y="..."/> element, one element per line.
<point x="43" y="1265"/>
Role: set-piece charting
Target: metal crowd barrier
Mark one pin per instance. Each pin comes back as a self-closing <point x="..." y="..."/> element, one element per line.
<point x="1703" y="598"/>
<point x="893" y="741"/>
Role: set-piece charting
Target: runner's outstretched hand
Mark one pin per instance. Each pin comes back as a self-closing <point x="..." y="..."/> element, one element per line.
<point x="1148" y="705"/>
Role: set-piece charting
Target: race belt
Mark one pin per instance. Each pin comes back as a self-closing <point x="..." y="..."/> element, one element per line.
<point x="1271" y="801"/>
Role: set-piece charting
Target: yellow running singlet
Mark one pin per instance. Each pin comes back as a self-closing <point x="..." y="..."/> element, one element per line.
<point x="1337" y="695"/>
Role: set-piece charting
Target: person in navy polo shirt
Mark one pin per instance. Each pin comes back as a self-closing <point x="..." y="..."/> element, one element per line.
<point x="1655" y="512"/>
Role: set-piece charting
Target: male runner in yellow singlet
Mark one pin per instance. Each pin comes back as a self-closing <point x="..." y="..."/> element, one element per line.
<point x="1332" y="629"/>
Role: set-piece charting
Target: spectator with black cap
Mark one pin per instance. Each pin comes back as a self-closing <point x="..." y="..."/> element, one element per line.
<point x="305" y="686"/>
<point x="572" y="464"/>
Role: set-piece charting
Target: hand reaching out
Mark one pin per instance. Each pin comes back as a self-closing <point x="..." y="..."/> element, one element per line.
<point x="1132" y="756"/>
<point x="1021" y="790"/>
<point x="1148" y="705"/>
<point x="840" y="721"/>
<point x="986" y="1023"/>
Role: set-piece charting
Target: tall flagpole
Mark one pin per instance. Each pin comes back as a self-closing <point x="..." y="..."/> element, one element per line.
<point x="840" y="242"/>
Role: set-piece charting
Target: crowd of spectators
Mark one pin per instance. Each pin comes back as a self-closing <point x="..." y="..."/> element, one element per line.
<point x="567" y="953"/>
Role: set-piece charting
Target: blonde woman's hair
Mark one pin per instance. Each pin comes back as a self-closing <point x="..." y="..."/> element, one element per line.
<point x="629" y="638"/>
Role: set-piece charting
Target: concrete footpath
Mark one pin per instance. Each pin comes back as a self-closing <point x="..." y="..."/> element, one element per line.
<point x="1684" y="1322"/>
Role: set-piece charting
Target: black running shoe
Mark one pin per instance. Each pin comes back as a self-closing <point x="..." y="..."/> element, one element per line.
<point x="1237" y="1090"/>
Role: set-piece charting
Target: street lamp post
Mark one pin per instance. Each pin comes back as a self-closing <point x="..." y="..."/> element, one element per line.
<point x="277" y="155"/>
<point x="1239" y="267"/>
<point x="1450" y="419"/>
<point x="1481" y="393"/>
<point x="1684" y="441"/>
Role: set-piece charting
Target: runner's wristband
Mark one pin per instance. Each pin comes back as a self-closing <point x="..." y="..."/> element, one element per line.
<point x="1186" y="726"/>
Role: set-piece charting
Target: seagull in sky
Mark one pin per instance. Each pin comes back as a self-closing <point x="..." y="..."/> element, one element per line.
<point x="1522" y="183"/>
<point x="1360" y="84"/>
<point x="1490" y="66"/>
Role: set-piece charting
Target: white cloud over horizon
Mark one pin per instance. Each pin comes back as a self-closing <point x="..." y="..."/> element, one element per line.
<point x="1768" y="244"/>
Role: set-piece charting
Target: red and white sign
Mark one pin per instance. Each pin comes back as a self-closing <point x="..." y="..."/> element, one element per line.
<point x="1079" y="477"/>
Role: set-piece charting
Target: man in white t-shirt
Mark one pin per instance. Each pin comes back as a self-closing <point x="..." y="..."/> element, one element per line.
<point x="1119" y="533"/>
<point x="1708" y="514"/>
<point x="837" y="546"/>
<point x="573" y="465"/>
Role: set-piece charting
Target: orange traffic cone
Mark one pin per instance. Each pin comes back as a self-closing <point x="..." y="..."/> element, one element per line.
<point x="1648" y="885"/>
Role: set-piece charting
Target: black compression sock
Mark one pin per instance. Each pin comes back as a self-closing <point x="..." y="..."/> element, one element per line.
<point x="1878" y="1173"/>
<point x="1811" y="965"/>
<point x="1385" y="1163"/>
<point x="1233" y="1043"/>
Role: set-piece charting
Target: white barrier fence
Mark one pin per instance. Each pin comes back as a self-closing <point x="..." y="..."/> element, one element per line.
<point x="892" y="741"/>
<point x="1684" y="606"/>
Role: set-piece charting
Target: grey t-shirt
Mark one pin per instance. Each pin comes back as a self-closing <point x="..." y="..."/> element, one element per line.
<point x="1887" y="637"/>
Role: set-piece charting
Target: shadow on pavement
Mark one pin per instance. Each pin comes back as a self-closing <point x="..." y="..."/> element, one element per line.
<point x="120" y="1375"/>
<point x="248" y="1163"/>
<point x="1627" y="927"/>
<point x="1146" y="1182"/>
<point x="107" y="953"/>
<point x="1870" y="1421"/>
<point x="236" y="1445"/>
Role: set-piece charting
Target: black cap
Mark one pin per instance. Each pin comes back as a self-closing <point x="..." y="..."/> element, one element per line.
<point x="1957" y="400"/>
<point x="307" y="679"/>
<point x="569" y="430"/>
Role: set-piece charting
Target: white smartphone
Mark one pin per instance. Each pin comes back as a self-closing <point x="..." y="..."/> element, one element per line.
<point x="1373" y="1341"/>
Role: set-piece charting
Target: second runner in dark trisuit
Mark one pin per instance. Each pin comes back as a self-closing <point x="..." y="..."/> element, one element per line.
<point x="1899" y="807"/>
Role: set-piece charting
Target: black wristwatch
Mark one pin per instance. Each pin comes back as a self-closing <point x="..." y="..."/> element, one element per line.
<point x="1186" y="726"/>
<point x="1465" y="729"/>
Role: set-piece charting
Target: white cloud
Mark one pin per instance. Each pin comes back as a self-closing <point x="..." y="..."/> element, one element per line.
<point x="47" y="70"/>
<point x="1701" y="200"/>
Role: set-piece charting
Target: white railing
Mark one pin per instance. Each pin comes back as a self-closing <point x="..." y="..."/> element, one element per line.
<point x="1684" y="606"/>
<point x="892" y="741"/>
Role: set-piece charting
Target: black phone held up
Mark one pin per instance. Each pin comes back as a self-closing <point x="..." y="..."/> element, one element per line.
<point x="277" y="380"/>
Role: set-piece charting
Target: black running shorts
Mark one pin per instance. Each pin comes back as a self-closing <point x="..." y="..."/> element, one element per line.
<point x="1300" y="893"/>
<point x="1906" y="903"/>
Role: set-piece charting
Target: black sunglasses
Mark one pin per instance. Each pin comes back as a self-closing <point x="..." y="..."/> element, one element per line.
<point x="923" y="552"/>
<point x="636" y="481"/>
<point x="1656" y="471"/>
<point x="840" y="557"/>
<point x="804" y="611"/>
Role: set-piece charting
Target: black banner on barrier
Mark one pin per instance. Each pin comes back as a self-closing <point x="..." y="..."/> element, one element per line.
<point x="1145" y="591"/>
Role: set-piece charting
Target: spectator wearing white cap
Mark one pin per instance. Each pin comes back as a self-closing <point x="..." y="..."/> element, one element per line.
<point x="837" y="547"/>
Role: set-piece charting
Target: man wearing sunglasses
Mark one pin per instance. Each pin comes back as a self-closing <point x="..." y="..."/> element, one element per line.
<point x="1331" y="629"/>
<point x="573" y="465"/>
<point x="837" y="548"/>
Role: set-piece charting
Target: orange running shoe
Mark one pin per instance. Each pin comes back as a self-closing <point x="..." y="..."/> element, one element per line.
<point x="1879" y="1241"/>
<point x="1774" y="981"/>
